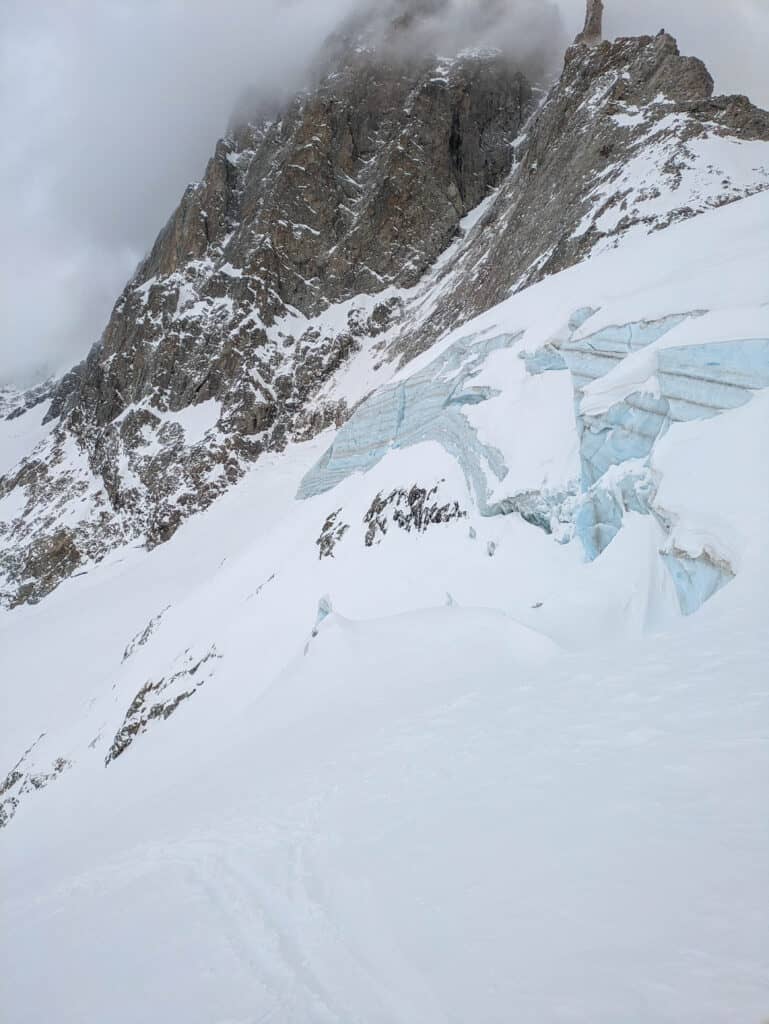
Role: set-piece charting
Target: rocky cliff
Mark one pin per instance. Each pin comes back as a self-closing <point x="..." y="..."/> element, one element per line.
<point x="630" y="140"/>
<point x="397" y="198"/>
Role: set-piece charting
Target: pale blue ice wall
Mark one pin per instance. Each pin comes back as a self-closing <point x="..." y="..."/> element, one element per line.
<point x="704" y="380"/>
<point x="630" y="429"/>
<point x="696" y="579"/>
<point x="426" y="407"/>
<point x="598" y="354"/>
<point x="695" y="382"/>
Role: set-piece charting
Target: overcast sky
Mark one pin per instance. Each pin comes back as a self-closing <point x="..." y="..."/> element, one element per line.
<point x="108" y="108"/>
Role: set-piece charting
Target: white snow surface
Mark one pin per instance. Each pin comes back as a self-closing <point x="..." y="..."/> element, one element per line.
<point x="459" y="775"/>
<point x="20" y="436"/>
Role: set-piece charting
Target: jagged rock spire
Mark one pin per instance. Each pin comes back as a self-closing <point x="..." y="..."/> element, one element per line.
<point x="592" y="33"/>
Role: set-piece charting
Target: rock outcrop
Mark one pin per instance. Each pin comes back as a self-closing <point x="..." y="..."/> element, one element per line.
<point x="357" y="187"/>
<point x="211" y="355"/>
<point x="592" y="33"/>
<point x="630" y="139"/>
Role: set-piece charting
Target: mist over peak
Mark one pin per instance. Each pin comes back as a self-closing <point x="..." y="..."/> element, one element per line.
<point x="531" y="34"/>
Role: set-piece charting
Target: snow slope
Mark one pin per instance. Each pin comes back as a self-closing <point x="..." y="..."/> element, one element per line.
<point x="475" y="763"/>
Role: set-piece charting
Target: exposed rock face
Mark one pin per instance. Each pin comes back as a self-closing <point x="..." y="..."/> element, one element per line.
<point x="23" y="780"/>
<point x="158" y="700"/>
<point x="358" y="187"/>
<point x="416" y="509"/>
<point x="630" y="139"/>
<point x="592" y="33"/>
<point x="15" y="404"/>
<point x="324" y="232"/>
<point x="333" y="531"/>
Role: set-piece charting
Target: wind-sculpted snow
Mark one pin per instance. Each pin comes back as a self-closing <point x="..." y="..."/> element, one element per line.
<point x="425" y="407"/>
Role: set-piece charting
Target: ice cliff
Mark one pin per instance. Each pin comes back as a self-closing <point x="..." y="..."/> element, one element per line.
<point x="631" y="383"/>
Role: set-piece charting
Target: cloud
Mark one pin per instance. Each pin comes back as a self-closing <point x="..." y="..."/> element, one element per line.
<point x="108" y="108"/>
<point x="530" y="31"/>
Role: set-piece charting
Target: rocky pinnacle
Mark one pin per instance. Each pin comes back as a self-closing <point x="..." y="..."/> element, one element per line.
<point x="592" y="33"/>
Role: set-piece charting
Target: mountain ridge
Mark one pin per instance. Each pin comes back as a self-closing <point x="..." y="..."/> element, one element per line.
<point x="304" y="214"/>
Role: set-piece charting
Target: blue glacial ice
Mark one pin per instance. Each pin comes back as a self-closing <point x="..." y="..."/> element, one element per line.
<point x="598" y="521"/>
<point x="694" y="382"/>
<point x="544" y="360"/>
<point x="600" y="511"/>
<point x="696" y="579"/>
<point x="596" y="355"/>
<point x="549" y="357"/>
<point x="699" y="381"/>
<point x="425" y="407"/>
<point x="627" y="431"/>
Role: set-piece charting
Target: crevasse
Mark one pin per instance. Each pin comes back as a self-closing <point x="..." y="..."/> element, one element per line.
<point x="425" y="407"/>
<point x="692" y="382"/>
<point x="616" y="445"/>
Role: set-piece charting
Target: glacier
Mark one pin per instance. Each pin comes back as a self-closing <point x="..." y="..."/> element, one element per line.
<point x="280" y="838"/>
<point x="692" y="382"/>
<point x="427" y="406"/>
<point x="689" y="382"/>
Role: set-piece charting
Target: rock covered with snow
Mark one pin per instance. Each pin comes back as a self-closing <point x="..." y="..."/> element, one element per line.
<point x="628" y="141"/>
<point x="357" y="187"/>
<point x="347" y="233"/>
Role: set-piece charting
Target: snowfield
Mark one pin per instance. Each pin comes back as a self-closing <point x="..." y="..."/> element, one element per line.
<point x="501" y="755"/>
